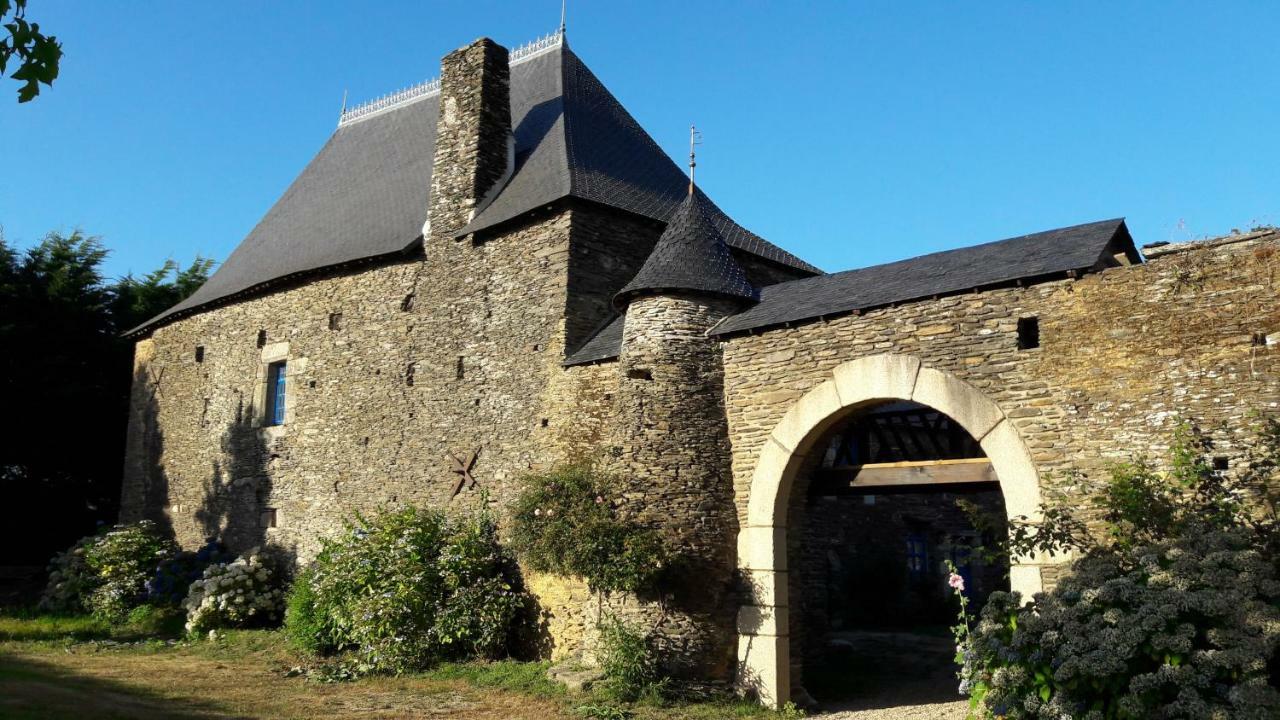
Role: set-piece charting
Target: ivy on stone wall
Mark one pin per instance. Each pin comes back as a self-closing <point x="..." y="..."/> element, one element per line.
<point x="567" y="521"/>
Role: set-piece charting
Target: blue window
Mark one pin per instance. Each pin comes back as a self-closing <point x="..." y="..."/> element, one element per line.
<point x="917" y="555"/>
<point x="276" y="377"/>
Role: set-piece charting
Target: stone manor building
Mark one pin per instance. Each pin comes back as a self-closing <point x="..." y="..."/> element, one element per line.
<point x="499" y="272"/>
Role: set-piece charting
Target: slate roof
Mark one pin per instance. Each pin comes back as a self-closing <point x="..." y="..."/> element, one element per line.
<point x="1027" y="258"/>
<point x="691" y="255"/>
<point x="364" y="195"/>
<point x="604" y="345"/>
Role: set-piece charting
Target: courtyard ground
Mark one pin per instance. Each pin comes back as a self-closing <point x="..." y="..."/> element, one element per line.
<point x="79" y="669"/>
<point x="75" y="668"/>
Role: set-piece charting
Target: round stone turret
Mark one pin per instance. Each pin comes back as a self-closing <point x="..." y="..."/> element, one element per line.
<point x="670" y="441"/>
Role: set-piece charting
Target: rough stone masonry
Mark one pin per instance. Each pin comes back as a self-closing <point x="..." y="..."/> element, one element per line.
<point x="486" y="322"/>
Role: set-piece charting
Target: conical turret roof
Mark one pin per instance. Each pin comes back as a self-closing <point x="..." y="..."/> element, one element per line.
<point x="691" y="255"/>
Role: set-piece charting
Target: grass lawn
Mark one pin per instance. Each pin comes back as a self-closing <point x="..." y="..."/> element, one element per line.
<point x="81" y="669"/>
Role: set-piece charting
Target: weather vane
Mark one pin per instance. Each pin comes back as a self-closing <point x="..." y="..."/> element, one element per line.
<point x="695" y="139"/>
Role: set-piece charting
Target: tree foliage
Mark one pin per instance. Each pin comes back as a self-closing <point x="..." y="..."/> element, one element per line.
<point x="65" y="374"/>
<point x="39" y="55"/>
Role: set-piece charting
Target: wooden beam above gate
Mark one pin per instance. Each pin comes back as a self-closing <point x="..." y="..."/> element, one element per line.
<point x="897" y="474"/>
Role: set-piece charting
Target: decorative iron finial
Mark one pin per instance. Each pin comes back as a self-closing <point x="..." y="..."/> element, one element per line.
<point x="562" y="9"/>
<point x="695" y="138"/>
<point x="344" y="105"/>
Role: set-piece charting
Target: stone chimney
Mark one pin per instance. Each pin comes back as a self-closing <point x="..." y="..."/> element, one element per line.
<point x="475" y="150"/>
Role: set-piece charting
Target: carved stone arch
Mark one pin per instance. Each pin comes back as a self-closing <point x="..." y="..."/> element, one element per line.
<point x="763" y="626"/>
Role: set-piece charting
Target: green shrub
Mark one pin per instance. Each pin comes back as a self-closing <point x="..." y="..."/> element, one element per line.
<point x="245" y="592"/>
<point x="107" y="574"/>
<point x="408" y="589"/>
<point x="1172" y="611"/>
<point x="304" y="624"/>
<point x="629" y="663"/>
<point x="566" y="522"/>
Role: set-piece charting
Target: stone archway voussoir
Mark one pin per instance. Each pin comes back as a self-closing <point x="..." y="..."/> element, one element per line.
<point x="878" y="377"/>
<point x="816" y="407"/>
<point x="769" y="483"/>
<point x="958" y="400"/>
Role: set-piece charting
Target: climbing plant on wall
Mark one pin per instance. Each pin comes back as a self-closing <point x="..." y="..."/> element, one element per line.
<point x="567" y="521"/>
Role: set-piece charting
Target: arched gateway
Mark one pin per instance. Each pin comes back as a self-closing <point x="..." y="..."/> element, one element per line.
<point x="764" y="626"/>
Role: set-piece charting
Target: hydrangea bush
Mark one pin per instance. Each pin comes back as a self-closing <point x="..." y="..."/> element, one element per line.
<point x="172" y="579"/>
<point x="70" y="579"/>
<point x="1173" y="611"/>
<point x="106" y="574"/>
<point x="1186" y="628"/>
<point x="242" y="593"/>
<point x="566" y="522"/>
<point x="407" y="589"/>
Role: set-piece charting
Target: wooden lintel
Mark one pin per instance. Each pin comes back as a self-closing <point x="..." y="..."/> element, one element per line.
<point x="930" y="472"/>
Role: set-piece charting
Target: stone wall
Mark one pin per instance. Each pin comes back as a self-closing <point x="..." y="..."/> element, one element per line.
<point x="429" y="359"/>
<point x="1123" y="354"/>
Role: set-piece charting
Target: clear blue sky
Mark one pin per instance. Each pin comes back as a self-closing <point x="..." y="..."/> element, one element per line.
<point x="849" y="133"/>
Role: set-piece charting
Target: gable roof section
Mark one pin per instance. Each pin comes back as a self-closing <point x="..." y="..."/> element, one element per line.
<point x="365" y="194"/>
<point x="1026" y="258"/>
<point x="579" y="141"/>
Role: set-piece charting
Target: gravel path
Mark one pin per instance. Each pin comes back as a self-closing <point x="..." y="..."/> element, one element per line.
<point x="931" y="711"/>
<point x="895" y="676"/>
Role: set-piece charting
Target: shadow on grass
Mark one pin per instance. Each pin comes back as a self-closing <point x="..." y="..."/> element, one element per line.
<point x="30" y="626"/>
<point x="37" y="690"/>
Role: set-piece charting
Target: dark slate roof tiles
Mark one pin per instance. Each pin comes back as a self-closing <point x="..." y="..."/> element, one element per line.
<point x="1041" y="254"/>
<point x="365" y="193"/>
<point x="1025" y="258"/>
<point x="603" y="345"/>
<point x="691" y="255"/>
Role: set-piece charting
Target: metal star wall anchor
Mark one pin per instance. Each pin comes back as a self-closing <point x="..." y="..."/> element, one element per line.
<point x="462" y="466"/>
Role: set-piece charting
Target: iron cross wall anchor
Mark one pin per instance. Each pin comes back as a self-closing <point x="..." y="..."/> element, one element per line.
<point x="462" y="466"/>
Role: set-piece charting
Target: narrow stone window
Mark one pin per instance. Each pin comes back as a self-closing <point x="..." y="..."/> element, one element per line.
<point x="199" y="353"/>
<point x="639" y="374"/>
<point x="269" y="518"/>
<point x="1259" y="339"/>
<point x="262" y="338"/>
<point x="545" y="422"/>
<point x="277" y="378"/>
<point x="409" y="373"/>
<point x="407" y="304"/>
<point x="461" y="371"/>
<point x="335" y="321"/>
<point x="1221" y="463"/>
<point x="1028" y="333"/>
